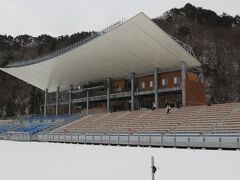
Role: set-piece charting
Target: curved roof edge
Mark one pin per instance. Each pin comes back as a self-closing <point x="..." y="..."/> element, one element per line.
<point x="137" y="45"/>
<point x="63" y="50"/>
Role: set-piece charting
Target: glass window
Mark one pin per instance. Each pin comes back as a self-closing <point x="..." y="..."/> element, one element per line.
<point x="164" y="82"/>
<point x="175" y="80"/>
<point x="151" y="84"/>
<point x="143" y="85"/>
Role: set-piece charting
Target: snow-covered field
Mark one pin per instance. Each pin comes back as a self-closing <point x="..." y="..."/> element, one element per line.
<point x="48" y="161"/>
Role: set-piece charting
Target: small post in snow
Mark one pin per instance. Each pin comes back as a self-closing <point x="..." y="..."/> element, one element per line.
<point x="153" y="167"/>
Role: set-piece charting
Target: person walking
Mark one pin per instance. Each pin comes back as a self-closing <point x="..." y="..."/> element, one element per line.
<point x="168" y="109"/>
<point x="153" y="106"/>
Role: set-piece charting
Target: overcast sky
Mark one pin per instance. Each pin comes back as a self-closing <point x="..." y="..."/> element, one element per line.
<point x="61" y="17"/>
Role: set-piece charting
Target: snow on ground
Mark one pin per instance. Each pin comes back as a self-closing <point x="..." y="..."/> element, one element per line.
<point x="50" y="161"/>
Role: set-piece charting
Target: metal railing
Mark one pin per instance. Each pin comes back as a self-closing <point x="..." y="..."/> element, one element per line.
<point x="119" y="95"/>
<point x="188" y="48"/>
<point x="65" y="49"/>
<point x="173" y="140"/>
<point x="216" y="141"/>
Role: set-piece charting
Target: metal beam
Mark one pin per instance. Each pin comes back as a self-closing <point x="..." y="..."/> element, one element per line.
<point x="57" y="100"/>
<point x="70" y="102"/>
<point x="87" y="101"/>
<point x="45" y="103"/>
<point x="132" y="90"/>
<point x="183" y="77"/>
<point x="156" y="88"/>
<point x="108" y="95"/>
<point x="201" y="76"/>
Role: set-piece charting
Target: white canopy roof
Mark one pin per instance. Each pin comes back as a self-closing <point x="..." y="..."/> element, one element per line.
<point x="138" y="46"/>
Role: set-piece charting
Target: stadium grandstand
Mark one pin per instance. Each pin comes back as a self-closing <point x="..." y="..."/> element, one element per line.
<point x="113" y="88"/>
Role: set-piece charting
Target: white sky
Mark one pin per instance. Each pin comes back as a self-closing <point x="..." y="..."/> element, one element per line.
<point x="61" y="17"/>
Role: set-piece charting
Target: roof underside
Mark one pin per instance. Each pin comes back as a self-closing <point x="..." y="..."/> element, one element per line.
<point x="138" y="46"/>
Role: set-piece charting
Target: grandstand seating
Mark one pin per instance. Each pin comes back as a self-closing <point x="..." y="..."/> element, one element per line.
<point x="3" y="122"/>
<point x="48" y="118"/>
<point x="167" y="122"/>
<point x="191" y="119"/>
<point x="35" y="128"/>
<point x="206" y="118"/>
<point x="7" y="127"/>
<point x="230" y="124"/>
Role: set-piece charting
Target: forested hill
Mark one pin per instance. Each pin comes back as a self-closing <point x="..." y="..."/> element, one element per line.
<point x="214" y="38"/>
<point x="216" y="42"/>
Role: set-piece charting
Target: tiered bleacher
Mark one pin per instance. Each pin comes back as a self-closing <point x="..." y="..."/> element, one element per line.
<point x="206" y="118"/>
<point x="230" y="124"/>
<point x="191" y="119"/>
<point x="33" y="125"/>
<point x="7" y="126"/>
<point x="50" y="118"/>
<point x="35" y="128"/>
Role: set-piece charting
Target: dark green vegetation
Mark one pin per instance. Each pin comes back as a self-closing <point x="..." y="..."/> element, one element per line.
<point x="215" y="40"/>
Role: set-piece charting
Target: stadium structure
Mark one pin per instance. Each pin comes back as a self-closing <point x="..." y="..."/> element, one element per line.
<point x="113" y="87"/>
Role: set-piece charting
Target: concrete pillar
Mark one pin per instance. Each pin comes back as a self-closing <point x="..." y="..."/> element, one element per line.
<point x="183" y="77"/>
<point x="87" y="101"/>
<point x="57" y="100"/>
<point x="45" y="103"/>
<point x="70" y="102"/>
<point x="201" y="76"/>
<point x="108" y="94"/>
<point x="132" y="90"/>
<point x="156" y="88"/>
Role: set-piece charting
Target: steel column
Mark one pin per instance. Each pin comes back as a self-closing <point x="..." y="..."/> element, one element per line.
<point x="57" y="100"/>
<point x="201" y="76"/>
<point x="156" y="88"/>
<point x="108" y="95"/>
<point x="87" y="101"/>
<point x="183" y="77"/>
<point x="132" y="90"/>
<point x="70" y="101"/>
<point x="45" y="102"/>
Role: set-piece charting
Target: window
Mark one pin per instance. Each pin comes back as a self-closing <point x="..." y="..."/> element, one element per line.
<point x="176" y="80"/>
<point x="151" y="84"/>
<point x="164" y="82"/>
<point x="143" y="85"/>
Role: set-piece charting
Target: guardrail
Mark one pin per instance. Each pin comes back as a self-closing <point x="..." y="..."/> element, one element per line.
<point x="118" y="95"/>
<point x="65" y="49"/>
<point x="184" y="140"/>
<point x="211" y="141"/>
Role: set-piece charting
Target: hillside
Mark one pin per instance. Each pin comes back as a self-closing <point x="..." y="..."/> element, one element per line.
<point x="215" y="40"/>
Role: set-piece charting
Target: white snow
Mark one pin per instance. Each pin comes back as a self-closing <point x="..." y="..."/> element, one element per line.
<point x="50" y="161"/>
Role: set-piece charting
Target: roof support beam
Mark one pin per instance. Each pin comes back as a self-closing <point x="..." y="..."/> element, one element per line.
<point x="70" y="101"/>
<point x="156" y="88"/>
<point x="183" y="77"/>
<point x="57" y="100"/>
<point x="45" y="103"/>
<point x="87" y="101"/>
<point x="132" y="90"/>
<point x="108" y="95"/>
<point x="201" y="76"/>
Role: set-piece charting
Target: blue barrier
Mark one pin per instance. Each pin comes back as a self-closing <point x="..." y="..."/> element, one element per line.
<point x="7" y="127"/>
<point x="35" y="128"/>
<point x="50" y="117"/>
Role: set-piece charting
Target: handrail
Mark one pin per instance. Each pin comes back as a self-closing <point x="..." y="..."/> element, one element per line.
<point x="188" y="48"/>
<point x="63" y="50"/>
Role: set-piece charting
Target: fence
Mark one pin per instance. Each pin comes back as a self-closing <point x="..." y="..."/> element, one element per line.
<point x="185" y="140"/>
<point x="223" y="141"/>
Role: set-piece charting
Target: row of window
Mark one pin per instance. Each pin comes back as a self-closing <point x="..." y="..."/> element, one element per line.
<point x="176" y="80"/>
